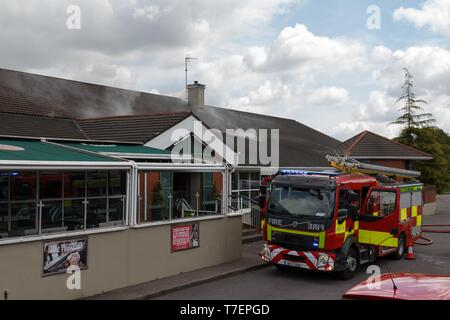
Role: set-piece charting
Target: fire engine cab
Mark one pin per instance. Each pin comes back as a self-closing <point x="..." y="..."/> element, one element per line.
<point x="337" y="220"/>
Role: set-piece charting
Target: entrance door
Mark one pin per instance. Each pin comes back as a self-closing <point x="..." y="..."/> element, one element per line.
<point x="378" y="224"/>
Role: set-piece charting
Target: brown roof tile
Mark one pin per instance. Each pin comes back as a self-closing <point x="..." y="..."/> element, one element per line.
<point x="368" y="145"/>
<point x="34" y="126"/>
<point x="138" y="128"/>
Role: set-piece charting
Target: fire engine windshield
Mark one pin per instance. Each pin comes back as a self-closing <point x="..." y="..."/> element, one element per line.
<point x="301" y="202"/>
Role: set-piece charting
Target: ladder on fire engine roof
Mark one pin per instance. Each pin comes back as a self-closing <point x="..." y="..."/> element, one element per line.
<point x="344" y="164"/>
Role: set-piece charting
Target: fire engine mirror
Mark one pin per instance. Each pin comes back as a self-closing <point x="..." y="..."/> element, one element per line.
<point x="262" y="190"/>
<point x="352" y="212"/>
<point x="352" y="196"/>
<point x="261" y="201"/>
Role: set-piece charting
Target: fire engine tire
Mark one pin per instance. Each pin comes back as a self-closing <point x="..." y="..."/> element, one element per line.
<point x="401" y="248"/>
<point x="352" y="265"/>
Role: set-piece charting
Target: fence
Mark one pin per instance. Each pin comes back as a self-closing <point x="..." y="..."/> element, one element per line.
<point x="250" y="209"/>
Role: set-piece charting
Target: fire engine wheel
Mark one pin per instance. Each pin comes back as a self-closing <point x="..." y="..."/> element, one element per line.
<point x="352" y="265"/>
<point x="400" y="248"/>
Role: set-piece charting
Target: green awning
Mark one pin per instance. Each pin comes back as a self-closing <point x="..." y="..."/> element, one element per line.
<point x="119" y="150"/>
<point x="35" y="150"/>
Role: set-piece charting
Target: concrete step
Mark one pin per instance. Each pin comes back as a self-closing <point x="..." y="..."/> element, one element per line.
<point x="248" y="232"/>
<point x="252" y="238"/>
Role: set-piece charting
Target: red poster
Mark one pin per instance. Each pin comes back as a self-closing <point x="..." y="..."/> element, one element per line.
<point x="185" y="237"/>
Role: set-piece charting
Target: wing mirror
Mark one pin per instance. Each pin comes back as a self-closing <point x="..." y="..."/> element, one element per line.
<point x="352" y="196"/>
<point x="262" y="196"/>
<point x="353" y="212"/>
<point x="261" y="201"/>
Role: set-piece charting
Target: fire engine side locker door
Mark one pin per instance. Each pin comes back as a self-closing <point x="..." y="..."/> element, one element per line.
<point x="379" y="219"/>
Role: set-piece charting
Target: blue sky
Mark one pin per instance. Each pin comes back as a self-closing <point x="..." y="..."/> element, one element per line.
<point x="312" y="61"/>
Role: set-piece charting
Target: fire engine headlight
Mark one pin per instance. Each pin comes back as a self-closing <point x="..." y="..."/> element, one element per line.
<point x="266" y="252"/>
<point x="322" y="260"/>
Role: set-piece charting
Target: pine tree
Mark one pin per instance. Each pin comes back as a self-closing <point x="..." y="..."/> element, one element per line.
<point x="411" y="108"/>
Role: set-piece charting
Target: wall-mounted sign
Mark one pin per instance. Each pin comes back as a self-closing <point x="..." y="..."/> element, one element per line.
<point x="185" y="237"/>
<point x="61" y="254"/>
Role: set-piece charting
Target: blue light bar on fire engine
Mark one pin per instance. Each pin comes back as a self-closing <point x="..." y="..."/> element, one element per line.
<point x="289" y="172"/>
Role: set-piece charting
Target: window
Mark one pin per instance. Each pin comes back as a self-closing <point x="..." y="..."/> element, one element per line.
<point x="167" y="195"/>
<point x="33" y="203"/>
<point x="50" y="194"/>
<point x="381" y="203"/>
<point x="4" y="186"/>
<point x="298" y="202"/>
<point x="74" y="200"/>
<point x="23" y="219"/>
<point x="246" y="184"/>
<point x="212" y="192"/>
<point x="23" y="205"/>
<point x="4" y="220"/>
<point x="117" y="189"/>
<point x="344" y="204"/>
<point x="23" y="186"/>
<point x="155" y="194"/>
<point x="4" y="206"/>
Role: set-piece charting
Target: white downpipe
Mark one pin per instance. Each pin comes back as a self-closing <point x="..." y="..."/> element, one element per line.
<point x="133" y="194"/>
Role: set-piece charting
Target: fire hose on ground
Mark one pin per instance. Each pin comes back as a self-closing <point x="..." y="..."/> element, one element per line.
<point x="432" y="228"/>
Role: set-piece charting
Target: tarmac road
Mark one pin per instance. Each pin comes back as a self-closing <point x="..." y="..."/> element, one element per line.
<point x="270" y="283"/>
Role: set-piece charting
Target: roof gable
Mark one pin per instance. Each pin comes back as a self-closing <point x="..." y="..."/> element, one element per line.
<point x="299" y="145"/>
<point x="368" y="145"/>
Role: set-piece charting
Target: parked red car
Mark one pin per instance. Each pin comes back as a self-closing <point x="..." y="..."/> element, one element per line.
<point x="403" y="286"/>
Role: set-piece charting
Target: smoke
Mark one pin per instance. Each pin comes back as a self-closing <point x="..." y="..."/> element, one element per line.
<point x="47" y="96"/>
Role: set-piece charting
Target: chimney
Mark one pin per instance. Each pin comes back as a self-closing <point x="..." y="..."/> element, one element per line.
<point x="196" y="95"/>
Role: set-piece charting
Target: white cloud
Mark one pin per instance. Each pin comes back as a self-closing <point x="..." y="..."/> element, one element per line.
<point x="298" y="48"/>
<point x="434" y="14"/>
<point x="347" y="129"/>
<point x="379" y="107"/>
<point x="147" y="12"/>
<point x="430" y="67"/>
<point x="327" y="96"/>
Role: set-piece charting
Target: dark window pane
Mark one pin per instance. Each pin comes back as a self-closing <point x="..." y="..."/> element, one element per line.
<point x="23" y="219"/>
<point x="96" y="213"/>
<point x="74" y="184"/>
<point x="74" y="214"/>
<point x="159" y="187"/>
<point x="23" y="185"/>
<point x="3" y="220"/>
<point x="4" y="187"/>
<point x="96" y="184"/>
<point x="234" y="181"/>
<point x="52" y="215"/>
<point x="116" y="209"/>
<point x="244" y="180"/>
<point x="158" y="205"/>
<point x="254" y="180"/>
<point x="207" y="179"/>
<point x="50" y="185"/>
<point x="117" y="183"/>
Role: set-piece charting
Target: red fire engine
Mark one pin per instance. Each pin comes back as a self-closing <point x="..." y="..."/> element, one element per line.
<point x="337" y="220"/>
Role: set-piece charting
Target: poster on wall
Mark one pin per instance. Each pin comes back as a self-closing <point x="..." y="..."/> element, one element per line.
<point x="185" y="237"/>
<point x="61" y="254"/>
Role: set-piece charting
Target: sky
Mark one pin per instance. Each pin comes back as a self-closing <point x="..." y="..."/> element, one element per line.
<point x="335" y="65"/>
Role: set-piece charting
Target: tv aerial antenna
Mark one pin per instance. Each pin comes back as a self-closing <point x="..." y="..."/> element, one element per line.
<point x="186" y="61"/>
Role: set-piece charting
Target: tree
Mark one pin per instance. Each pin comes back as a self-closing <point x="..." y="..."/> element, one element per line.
<point x="436" y="142"/>
<point x="411" y="108"/>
